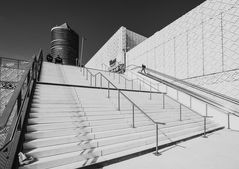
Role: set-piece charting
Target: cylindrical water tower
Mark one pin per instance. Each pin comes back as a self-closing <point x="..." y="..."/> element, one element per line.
<point x="65" y="43"/>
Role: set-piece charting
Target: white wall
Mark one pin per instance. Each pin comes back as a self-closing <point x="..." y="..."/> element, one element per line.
<point x="203" y="41"/>
<point x="113" y="48"/>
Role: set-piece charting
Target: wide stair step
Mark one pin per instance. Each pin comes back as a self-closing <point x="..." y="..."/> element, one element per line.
<point x="76" y="127"/>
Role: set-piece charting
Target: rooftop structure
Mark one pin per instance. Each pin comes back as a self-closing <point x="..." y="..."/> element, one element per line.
<point x="65" y="43"/>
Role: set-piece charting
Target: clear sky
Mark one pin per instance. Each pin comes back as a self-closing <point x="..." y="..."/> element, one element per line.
<point x="25" y="24"/>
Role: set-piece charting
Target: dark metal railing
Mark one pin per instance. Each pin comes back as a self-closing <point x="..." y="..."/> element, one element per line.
<point x="14" y="114"/>
<point x="87" y="73"/>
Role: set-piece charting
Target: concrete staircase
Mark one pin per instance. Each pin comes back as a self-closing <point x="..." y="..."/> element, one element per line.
<point x="77" y="127"/>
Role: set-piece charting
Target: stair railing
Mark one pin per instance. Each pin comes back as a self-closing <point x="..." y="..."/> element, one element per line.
<point x="134" y="105"/>
<point x="164" y="95"/>
<point x="12" y="120"/>
<point x="140" y="81"/>
<point x="207" y="101"/>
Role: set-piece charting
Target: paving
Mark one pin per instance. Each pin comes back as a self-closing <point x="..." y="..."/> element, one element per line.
<point x="218" y="151"/>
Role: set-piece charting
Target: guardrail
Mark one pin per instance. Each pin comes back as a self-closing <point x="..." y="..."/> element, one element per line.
<point x="12" y="120"/>
<point x="165" y="95"/>
<point x="140" y="81"/>
<point x="87" y="73"/>
<point x="197" y="96"/>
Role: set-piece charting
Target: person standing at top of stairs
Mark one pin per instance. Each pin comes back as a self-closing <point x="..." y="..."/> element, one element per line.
<point x="58" y="59"/>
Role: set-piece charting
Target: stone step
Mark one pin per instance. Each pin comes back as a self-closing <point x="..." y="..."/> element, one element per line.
<point x="57" y="109"/>
<point x="124" y="133"/>
<point x="71" y="157"/>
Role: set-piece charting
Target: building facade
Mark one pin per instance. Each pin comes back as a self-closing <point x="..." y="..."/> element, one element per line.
<point x="200" y="47"/>
<point x="115" y="48"/>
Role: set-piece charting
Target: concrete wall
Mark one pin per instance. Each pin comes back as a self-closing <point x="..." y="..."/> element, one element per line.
<point x="203" y="41"/>
<point x="113" y="48"/>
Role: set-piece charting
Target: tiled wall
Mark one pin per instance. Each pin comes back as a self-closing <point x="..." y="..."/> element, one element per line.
<point x="113" y="48"/>
<point x="202" y="42"/>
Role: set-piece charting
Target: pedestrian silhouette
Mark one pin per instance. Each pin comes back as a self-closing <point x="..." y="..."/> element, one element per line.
<point x="58" y="59"/>
<point x="49" y="58"/>
<point x="143" y="69"/>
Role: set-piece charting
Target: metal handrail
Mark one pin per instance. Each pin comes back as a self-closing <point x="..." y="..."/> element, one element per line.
<point x="133" y="105"/>
<point x="195" y="95"/>
<point x="204" y="117"/>
<point x="7" y="111"/>
<point x="20" y="99"/>
<point x="219" y="95"/>
<point x="224" y="97"/>
<point x="133" y="79"/>
<point x="11" y="103"/>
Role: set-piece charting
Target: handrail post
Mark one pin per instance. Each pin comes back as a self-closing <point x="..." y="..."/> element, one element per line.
<point x="190" y="101"/>
<point x="90" y="79"/>
<point x="95" y="80"/>
<point x="101" y="80"/>
<point x="205" y="127"/>
<point x="163" y="101"/>
<point x="180" y="111"/>
<point x="125" y="83"/>
<point x="119" y="100"/>
<point x="228" y="121"/>
<point x="150" y="94"/>
<point x="108" y="89"/>
<point x="19" y="101"/>
<point x="86" y="75"/>
<point x="133" y="116"/>
<point x="157" y="137"/>
<point x="139" y="84"/>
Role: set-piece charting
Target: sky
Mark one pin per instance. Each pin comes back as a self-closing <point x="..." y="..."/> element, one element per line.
<point x="25" y="24"/>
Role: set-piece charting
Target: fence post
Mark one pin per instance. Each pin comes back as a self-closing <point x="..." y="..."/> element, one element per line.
<point x="133" y="116"/>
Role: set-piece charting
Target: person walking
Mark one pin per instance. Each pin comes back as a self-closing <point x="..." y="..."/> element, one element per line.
<point x="143" y="69"/>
